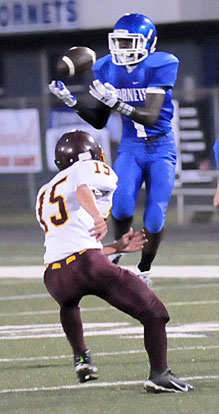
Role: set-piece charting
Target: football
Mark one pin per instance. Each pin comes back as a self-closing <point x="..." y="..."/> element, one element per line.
<point x="76" y="61"/>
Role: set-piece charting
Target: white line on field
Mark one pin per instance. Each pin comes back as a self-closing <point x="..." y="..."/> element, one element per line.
<point x="21" y="297"/>
<point x="42" y="312"/>
<point x="39" y="331"/>
<point x="52" y="326"/>
<point x="28" y="272"/>
<point x="97" y="354"/>
<point x="96" y="385"/>
<point x="201" y="302"/>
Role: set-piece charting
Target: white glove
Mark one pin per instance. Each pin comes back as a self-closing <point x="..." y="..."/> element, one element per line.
<point x="105" y="93"/>
<point x="59" y="89"/>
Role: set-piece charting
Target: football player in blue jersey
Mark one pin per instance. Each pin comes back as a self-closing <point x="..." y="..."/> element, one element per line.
<point x="137" y="82"/>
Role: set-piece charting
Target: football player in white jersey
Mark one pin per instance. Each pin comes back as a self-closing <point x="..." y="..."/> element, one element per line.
<point x="72" y="209"/>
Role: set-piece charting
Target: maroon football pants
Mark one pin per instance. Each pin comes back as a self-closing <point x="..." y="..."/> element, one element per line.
<point x="91" y="273"/>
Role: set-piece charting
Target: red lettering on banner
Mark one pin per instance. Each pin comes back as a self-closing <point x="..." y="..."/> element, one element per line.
<point x="24" y="161"/>
<point x="4" y="161"/>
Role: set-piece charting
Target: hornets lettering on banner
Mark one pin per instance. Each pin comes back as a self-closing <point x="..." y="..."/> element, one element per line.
<point x="27" y="14"/>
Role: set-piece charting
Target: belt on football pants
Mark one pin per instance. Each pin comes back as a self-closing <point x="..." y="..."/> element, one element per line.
<point x="69" y="259"/>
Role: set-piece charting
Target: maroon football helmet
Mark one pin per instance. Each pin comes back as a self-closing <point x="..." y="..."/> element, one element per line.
<point x="73" y="143"/>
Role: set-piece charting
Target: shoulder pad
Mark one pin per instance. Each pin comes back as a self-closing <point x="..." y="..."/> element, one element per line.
<point x="102" y="61"/>
<point x="159" y="59"/>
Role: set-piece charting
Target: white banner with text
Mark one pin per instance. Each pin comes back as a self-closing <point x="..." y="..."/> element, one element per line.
<point x="20" y="147"/>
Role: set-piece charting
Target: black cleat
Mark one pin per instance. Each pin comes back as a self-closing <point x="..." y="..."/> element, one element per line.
<point x="166" y="382"/>
<point x="83" y="368"/>
<point x="117" y="259"/>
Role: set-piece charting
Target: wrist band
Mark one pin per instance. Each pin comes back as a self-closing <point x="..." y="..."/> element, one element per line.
<point x="124" y="108"/>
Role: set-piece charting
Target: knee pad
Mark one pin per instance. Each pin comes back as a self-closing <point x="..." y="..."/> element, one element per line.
<point x="154" y="219"/>
<point x="123" y="206"/>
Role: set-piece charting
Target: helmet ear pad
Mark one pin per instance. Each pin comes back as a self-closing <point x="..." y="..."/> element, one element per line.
<point x="73" y="144"/>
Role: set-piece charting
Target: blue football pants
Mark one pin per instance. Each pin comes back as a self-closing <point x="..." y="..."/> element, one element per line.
<point x="154" y="166"/>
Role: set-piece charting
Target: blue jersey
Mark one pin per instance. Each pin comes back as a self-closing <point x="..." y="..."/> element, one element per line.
<point x="158" y="70"/>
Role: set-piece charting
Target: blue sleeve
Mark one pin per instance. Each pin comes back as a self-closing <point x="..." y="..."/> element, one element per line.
<point x="97" y="74"/>
<point x="162" y="69"/>
<point x="164" y="75"/>
<point x="100" y="69"/>
<point x="216" y="152"/>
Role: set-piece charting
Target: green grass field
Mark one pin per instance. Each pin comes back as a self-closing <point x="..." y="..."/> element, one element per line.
<point x="189" y="244"/>
<point x="36" y="367"/>
<point x="36" y="371"/>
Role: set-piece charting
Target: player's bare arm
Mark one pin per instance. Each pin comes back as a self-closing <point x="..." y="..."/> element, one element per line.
<point x="130" y="242"/>
<point x="105" y="100"/>
<point x="86" y="199"/>
<point x="147" y="115"/>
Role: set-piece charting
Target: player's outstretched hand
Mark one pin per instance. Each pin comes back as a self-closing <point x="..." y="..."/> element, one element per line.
<point x="99" y="230"/>
<point x="105" y="93"/>
<point x="132" y="242"/>
<point x="59" y="89"/>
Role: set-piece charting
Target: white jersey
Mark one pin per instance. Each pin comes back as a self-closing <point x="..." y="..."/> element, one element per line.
<point x="65" y="222"/>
